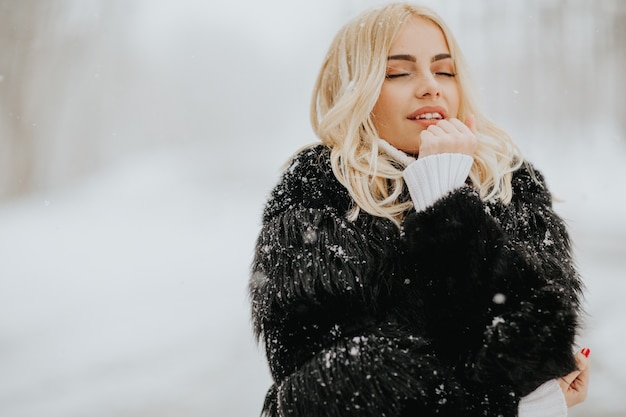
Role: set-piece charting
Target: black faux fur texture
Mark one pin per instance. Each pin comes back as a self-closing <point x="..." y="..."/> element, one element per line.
<point x="466" y="309"/>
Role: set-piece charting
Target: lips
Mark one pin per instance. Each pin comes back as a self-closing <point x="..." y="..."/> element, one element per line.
<point x="427" y="116"/>
<point x="428" y="113"/>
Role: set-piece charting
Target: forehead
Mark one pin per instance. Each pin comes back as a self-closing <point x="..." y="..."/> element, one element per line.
<point x="419" y="36"/>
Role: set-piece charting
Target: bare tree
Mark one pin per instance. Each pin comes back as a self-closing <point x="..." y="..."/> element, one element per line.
<point x="20" y="26"/>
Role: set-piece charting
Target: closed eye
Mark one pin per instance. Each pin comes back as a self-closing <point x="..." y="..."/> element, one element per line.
<point x="392" y="76"/>
<point x="445" y="74"/>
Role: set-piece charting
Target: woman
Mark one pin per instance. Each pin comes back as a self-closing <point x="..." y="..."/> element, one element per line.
<point x="411" y="264"/>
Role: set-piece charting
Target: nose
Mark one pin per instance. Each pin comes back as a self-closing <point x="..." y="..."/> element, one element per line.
<point x="427" y="86"/>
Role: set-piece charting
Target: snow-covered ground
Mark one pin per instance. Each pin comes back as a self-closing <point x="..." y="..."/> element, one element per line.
<point x="124" y="294"/>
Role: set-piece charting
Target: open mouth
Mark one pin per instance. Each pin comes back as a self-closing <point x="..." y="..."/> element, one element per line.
<point x="428" y="116"/>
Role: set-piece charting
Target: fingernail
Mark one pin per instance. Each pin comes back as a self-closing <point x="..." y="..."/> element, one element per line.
<point x="586" y="352"/>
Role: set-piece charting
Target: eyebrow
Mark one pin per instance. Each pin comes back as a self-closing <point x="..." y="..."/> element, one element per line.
<point x="439" y="57"/>
<point x="402" y="57"/>
<point x="411" y="58"/>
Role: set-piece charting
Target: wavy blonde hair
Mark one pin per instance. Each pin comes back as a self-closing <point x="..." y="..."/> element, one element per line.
<point x="346" y="90"/>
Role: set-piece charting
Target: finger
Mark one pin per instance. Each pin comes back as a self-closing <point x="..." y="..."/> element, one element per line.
<point x="427" y="138"/>
<point x="585" y="352"/>
<point x="568" y="379"/>
<point x="576" y="384"/>
<point x="447" y="126"/>
<point x="582" y="363"/>
<point x="426" y="135"/>
<point x="470" y="122"/>
<point x="581" y="384"/>
<point x="582" y="359"/>
<point x="428" y="144"/>
<point x="436" y="130"/>
<point x="461" y="127"/>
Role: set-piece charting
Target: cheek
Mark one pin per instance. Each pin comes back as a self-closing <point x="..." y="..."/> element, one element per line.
<point x="380" y="103"/>
<point x="379" y="113"/>
<point x="384" y="107"/>
<point x="454" y="100"/>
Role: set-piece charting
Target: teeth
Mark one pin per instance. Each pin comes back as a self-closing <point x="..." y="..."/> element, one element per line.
<point x="429" y="116"/>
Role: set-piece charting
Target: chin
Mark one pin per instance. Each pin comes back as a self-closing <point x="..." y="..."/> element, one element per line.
<point x="410" y="151"/>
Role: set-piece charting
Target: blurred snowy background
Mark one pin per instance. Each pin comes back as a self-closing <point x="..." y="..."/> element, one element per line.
<point x="140" y="138"/>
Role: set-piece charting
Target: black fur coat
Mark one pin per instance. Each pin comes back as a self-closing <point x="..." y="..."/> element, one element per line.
<point x="461" y="312"/>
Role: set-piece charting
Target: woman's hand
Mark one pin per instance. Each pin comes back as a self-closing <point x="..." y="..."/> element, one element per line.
<point x="449" y="136"/>
<point x="576" y="384"/>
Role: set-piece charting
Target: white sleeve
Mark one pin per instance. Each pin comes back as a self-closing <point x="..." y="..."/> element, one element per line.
<point x="432" y="177"/>
<point x="546" y="401"/>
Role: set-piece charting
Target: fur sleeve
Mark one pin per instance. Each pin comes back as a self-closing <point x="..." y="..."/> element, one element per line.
<point x="498" y="283"/>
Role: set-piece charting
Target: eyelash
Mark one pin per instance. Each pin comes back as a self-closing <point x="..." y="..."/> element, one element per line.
<point x="393" y="76"/>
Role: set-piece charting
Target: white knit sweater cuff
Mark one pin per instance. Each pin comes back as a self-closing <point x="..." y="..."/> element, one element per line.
<point x="432" y="177"/>
<point x="546" y="401"/>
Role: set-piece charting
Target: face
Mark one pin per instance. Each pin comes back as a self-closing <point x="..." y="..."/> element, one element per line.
<point x="420" y="87"/>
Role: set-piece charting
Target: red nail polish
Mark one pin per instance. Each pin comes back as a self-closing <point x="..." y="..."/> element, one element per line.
<point x="586" y="352"/>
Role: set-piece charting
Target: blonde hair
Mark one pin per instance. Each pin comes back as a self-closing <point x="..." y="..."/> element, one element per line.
<point x="346" y="90"/>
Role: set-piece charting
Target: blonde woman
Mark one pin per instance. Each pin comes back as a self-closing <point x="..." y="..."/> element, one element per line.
<point x="411" y="264"/>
